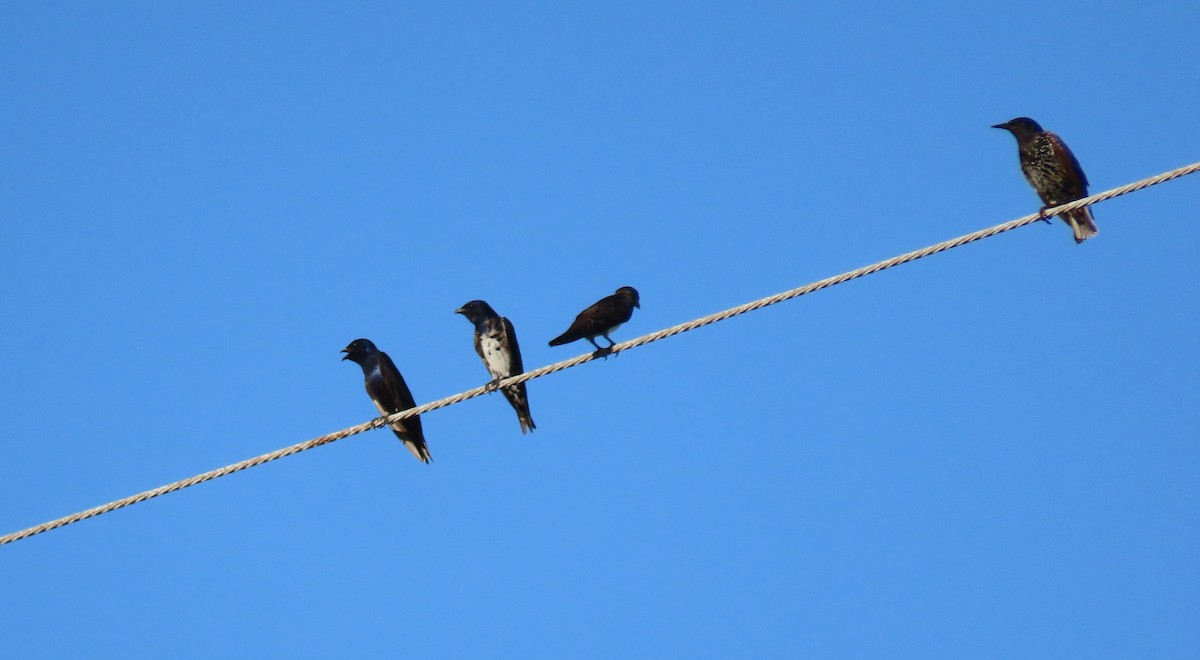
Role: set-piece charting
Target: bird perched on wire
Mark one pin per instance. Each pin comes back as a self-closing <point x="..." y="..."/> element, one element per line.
<point x="601" y="318"/>
<point x="1054" y="173"/>
<point x="496" y="344"/>
<point x="387" y="389"/>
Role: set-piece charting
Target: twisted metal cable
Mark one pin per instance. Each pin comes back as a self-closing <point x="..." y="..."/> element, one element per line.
<point x="622" y="346"/>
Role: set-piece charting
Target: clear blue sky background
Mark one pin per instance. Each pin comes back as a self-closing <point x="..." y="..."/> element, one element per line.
<point x="994" y="452"/>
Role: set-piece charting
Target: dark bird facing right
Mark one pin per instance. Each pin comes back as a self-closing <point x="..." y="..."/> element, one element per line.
<point x="389" y="392"/>
<point x="496" y="344"/>
<point x="601" y="318"/>
<point x="1052" y="170"/>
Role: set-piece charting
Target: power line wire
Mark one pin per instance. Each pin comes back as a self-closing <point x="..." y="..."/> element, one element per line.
<point x="622" y="346"/>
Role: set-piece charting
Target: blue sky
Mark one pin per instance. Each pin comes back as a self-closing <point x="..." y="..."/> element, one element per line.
<point x="990" y="453"/>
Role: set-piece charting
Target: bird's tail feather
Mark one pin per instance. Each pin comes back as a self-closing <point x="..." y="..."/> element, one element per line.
<point x="520" y="402"/>
<point x="418" y="449"/>
<point x="561" y="339"/>
<point x="1082" y="224"/>
<point x="527" y="424"/>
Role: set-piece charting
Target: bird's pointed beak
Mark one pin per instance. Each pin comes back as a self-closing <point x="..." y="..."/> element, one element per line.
<point x="347" y="354"/>
<point x="1003" y="126"/>
<point x="460" y="310"/>
<point x="638" y="305"/>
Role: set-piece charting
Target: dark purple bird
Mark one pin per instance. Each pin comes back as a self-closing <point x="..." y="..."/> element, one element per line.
<point x="388" y="391"/>
<point x="601" y="318"/>
<point x="1053" y="172"/>
<point x="496" y="344"/>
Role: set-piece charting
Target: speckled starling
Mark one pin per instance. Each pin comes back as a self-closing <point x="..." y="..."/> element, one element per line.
<point x="1053" y="172"/>
<point x="496" y="344"/>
